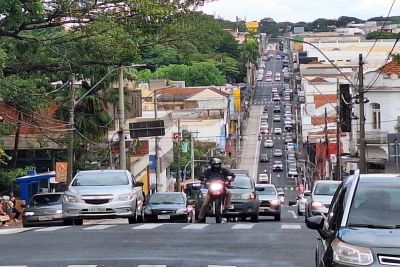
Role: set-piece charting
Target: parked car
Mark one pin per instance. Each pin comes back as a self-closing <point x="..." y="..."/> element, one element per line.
<point x="102" y="194"/>
<point x="321" y="196"/>
<point x="43" y="209"/>
<point x="277" y="167"/>
<point x="270" y="204"/>
<point x="268" y="143"/>
<point x="362" y="225"/>
<point x="168" y="206"/>
<point x="264" y="158"/>
<point x="244" y="198"/>
<point x="263" y="129"/>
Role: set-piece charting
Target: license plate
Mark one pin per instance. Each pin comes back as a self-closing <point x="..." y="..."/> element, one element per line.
<point x="97" y="210"/>
<point x="164" y="217"/>
<point x="45" y="218"/>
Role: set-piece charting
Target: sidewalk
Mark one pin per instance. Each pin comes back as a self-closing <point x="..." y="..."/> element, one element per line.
<point x="250" y="147"/>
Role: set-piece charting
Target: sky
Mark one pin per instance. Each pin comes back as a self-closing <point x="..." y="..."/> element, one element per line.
<point x="299" y="10"/>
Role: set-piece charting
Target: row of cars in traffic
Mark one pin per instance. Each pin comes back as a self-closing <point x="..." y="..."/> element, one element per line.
<point x="108" y="194"/>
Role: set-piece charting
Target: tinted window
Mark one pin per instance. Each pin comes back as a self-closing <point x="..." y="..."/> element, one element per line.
<point x="43" y="200"/>
<point x="166" y="199"/>
<point x="242" y="182"/>
<point x="376" y="203"/>
<point x="325" y="189"/>
<point x="267" y="191"/>
<point x="100" y="179"/>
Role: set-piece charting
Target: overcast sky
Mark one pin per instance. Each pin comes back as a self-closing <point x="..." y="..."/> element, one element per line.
<point x="299" y="10"/>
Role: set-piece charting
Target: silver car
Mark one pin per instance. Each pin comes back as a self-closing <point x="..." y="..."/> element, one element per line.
<point x="43" y="209"/>
<point x="102" y="194"/>
<point x="270" y="204"/>
<point x="319" y="200"/>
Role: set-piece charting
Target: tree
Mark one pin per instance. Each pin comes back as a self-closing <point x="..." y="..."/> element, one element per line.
<point x="381" y="35"/>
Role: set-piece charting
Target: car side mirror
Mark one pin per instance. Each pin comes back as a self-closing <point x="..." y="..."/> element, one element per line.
<point x="138" y="184"/>
<point x="315" y="222"/>
<point x="307" y="194"/>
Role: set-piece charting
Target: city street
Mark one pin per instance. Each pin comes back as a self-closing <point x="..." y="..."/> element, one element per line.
<point x="267" y="243"/>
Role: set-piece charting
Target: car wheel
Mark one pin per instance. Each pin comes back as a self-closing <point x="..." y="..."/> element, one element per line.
<point x="254" y="218"/>
<point x="133" y="219"/>
<point x="277" y="217"/>
<point x="78" y="221"/>
<point x="299" y="212"/>
<point x="68" y="222"/>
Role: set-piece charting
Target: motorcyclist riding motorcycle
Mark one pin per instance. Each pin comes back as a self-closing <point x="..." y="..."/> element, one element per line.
<point x="216" y="172"/>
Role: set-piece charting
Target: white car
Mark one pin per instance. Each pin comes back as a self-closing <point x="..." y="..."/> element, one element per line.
<point x="302" y="203"/>
<point x="292" y="173"/>
<point x="277" y="167"/>
<point x="268" y="143"/>
<point x="263" y="178"/>
<point x="277" y="78"/>
<point x="276" y="98"/>
<point x="277" y="152"/>
<point x="278" y="130"/>
<point x="274" y="90"/>
<point x="264" y="117"/>
<point x="269" y="73"/>
<point x="277" y="118"/>
<point x="268" y="79"/>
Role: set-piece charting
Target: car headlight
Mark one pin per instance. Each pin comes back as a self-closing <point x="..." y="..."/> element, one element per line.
<point x="349" y="254"/>
<point x="317" y="205"/>
<point x="247" y="196"/>
<point x="125" y="197"/>
<point x="181" y="211"/>
<point x="29" y="213"/>
<point x="70" y="198"/>
<point x="148" y="210"/>
<point x="275" y="202"/>
<point x="59" y="211"/>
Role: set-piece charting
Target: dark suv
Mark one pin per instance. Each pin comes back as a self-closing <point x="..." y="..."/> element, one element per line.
<point x="363" y="223"/>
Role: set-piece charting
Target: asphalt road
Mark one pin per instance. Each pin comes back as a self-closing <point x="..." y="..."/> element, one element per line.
<point x="267" y="243"/>
<point x="263" y="97"/>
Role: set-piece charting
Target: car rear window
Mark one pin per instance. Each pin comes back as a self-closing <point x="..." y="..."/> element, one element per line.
<point x="43" y="200"/>
<point x="100" y="179"/>
<point x="267" y="191"/>
<point x="166" y="199"/>
<point x="376" y="203"/>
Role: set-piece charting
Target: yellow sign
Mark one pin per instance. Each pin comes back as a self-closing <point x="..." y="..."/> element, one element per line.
<point x="236" y="95"/>
<point x="252" y="26"/>
<point x="61" y="172"/>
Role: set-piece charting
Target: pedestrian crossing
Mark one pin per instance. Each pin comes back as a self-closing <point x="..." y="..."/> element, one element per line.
<point x="143" y="227"/>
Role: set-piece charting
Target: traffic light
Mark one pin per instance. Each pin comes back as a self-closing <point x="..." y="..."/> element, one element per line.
<point x="345" y="108"/>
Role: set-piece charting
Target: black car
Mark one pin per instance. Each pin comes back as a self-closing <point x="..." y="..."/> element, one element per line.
<point x="362" y="227"/>
<point x="168" y="206"/>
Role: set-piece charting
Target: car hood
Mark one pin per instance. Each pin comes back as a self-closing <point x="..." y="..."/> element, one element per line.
<point x="371" y="238"/>
<point x="166" y="206"/>
<point x="44" y="207"/>
<point x="99" y="190"/>
<point x="324" y="199"/>
<point x="267" y="197"/>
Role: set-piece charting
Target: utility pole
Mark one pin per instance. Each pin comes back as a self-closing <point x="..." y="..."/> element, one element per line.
<point x="327" y="154"/>
<point x="338" y="170"/>
<point x="362" y="165"/>
<point x="121" y="124"/>
<point x="156" y="147"/>
<point x="70" y="164"/>
<point x="178" y="180"/>
<point x="192" y="155"/>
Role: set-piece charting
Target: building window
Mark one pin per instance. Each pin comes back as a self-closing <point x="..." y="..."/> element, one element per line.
<point x="376" y="116"/>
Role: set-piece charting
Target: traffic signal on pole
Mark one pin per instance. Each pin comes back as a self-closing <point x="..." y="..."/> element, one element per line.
<point x="345" y="108"/>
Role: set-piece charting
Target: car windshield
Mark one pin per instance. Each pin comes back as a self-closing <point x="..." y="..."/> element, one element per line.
<point x="326" y="189"/>
<point x="376" y="204"/>
<point x="43" y="200"/>
<point x="167" y="199"/>
<point x="241" y="182"/>
<point x="267" y="191"/>
<point x="100" y="179"/>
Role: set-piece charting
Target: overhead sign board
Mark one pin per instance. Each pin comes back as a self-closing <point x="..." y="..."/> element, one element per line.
<point x="147" y="128"/>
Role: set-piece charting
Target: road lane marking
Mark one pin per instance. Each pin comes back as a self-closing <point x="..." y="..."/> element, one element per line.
<point x="13" y="231"/>
<point x="291" y="227"/>
<point x="147" y="226"/>
<point x="221" y="266"/>
<point x="293" y="213"/>
<point x="49" y="229"/>
<point x="13" y="265"/>
<point x="242" y="226"/>
<point x="82" y="265"/>
<point x="195" y="226"/>
<point x="147" y="265"/>
<point x="99" y="227"/>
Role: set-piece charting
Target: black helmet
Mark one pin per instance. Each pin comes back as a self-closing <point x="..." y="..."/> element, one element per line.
<point x="216" y="164"/>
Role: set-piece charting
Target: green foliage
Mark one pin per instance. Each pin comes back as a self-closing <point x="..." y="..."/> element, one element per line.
<point x="381" y="35"/>
<point x="161" y="55"/>
<point x="8" y="179"/>
<point x="344" y="20"/>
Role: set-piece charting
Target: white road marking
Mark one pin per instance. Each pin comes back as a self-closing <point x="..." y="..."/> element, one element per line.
<point x="147" y="226"/>
<point x="82" y="265"/>
<point x="99" y="227"/>
<point x="195" y="226"/>
<point x="242" y="226"/>
<point x="286" y="188"/>
<point x="49" y="229"/>
<point x="221" y="266"/>
<point x="13" y="231"/>
<point x="290" y="226"/>
<point x="13" y="265"/>
<point x="146" y="265"/>
<point x="291" y="188"/>
<point x="293" y="213"/>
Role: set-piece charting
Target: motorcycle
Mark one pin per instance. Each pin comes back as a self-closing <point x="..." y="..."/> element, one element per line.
<point x="216" y="190"/>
